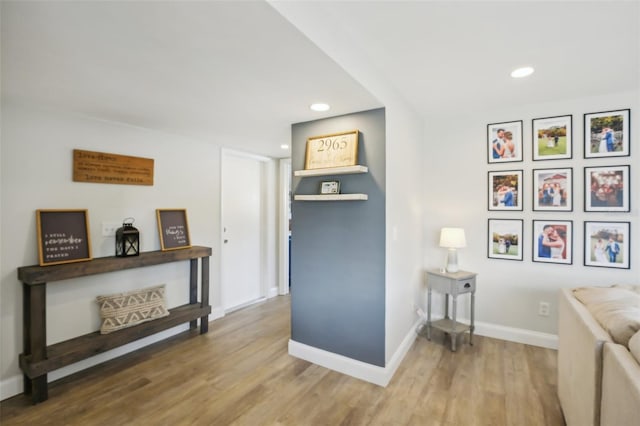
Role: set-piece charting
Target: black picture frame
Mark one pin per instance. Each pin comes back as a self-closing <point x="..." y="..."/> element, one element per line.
<point x="505" y="190"/>
<point x="607" y="189"/>
<point x="552" y="241"/>
<point x="497" y="149"/>
<point x="614" y="142"/>
<point x="173" y="229"/>
<point x="505" y="239"/>
<point x="598" y="236"/>
<point x="552" y="138"/>
<point x="552" y="189"/>
<point x="63" y="236"/>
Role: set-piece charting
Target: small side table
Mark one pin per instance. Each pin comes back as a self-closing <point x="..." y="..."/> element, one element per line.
<point x="454" y="284"/>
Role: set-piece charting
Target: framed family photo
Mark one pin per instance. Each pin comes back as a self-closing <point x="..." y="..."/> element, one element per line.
<point x="606" y="189"/>
<point x="505" y="239"/>
<point x="553" y="241"/>
<point x="606" y="134"/>
<point x="606" y="244"/>
<point x="552" y="138"/>
<point x="504" y="142"/>
<point x="505" y="190"/>
<point x="553" y="189"/>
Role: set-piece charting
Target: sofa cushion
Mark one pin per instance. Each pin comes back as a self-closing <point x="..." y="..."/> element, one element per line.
<point x="616" y="308"/>
<point x="634" y="346"/>
<point x="122" y="310"/>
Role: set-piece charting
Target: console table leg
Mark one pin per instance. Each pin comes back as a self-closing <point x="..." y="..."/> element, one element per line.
<point x="193" y="288"/>
<point x="39" y="389"/>
<point x="204" y="282"/>
<point x="26" y="383"/>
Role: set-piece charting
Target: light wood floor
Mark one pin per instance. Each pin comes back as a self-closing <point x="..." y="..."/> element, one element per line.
<point x="240" y="373"/>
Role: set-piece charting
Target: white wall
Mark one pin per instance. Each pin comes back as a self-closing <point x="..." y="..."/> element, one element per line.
<point x="37" y="174"/>
<point x="403" y="219"/>
<point x="455" y="194"/>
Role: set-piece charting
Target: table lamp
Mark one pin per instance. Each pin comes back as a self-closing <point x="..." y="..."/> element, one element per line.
<point x="452" y="239"/>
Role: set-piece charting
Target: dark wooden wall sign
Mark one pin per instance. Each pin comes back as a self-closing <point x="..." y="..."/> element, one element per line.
<point x="63" y="236"/>
<point x="101" y="167"/>
<point x="173" y="229"/>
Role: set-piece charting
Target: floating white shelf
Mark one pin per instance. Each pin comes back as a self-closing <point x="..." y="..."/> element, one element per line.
<point x="345" y="170"/>
<point x="331" y="197"/>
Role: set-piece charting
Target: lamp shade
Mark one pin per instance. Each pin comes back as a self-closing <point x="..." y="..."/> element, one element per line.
<point x="452" y="238"/>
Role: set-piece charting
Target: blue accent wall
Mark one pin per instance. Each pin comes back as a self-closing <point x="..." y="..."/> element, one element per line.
<point x="338" y="247"/>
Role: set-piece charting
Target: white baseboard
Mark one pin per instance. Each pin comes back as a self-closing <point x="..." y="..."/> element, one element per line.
<point x="518" y="335"/>
<point x="11" y="387"/>
<point x="272" y="292"/>
<point x="216" y="313"/>
<point x="380" y="376"/>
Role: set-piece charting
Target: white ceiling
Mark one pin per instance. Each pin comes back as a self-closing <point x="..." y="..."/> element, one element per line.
<point x="239" y="74"/>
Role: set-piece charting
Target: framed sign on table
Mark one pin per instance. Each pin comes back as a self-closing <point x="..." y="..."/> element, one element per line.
<point x="173" y="229"/>
<point x="63" y="236"/>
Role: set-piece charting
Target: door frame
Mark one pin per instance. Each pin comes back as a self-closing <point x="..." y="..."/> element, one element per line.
<point x="284" y="215"/>
<point x="226" y="152"/>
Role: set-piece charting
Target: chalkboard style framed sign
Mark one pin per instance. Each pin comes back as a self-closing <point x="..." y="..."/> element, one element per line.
<point x="173" y="229"/>
<point x="63" y="236"/>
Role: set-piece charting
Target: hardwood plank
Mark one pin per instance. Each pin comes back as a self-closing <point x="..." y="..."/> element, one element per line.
<point x="241" y="374"/>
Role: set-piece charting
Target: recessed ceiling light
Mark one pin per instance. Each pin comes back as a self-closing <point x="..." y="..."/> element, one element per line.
<point x="320" y="107"/>
<point x="284" y="146"/>
<point x="522" y="72"/>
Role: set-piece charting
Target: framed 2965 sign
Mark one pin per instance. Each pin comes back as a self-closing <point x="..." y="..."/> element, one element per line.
<point x="334" y="150"/>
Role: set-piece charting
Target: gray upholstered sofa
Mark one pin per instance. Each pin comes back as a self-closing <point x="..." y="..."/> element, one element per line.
<point x="599" y="355"/>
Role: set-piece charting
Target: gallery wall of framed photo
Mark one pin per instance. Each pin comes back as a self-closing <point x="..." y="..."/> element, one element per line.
<point x="561" y="171"/>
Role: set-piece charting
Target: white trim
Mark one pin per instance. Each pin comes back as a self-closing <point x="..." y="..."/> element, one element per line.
<point x="237" y="153"/>
<point x="283" y="216"/>
<point x="402" y="350"/>
<point x="517" y="335"/>
<point x="245" y="305"/>
<point x="272" y="292"/>
<point x="216" y="313"/>
<point x="380" y="376"/>
<point x="11" y="387"/>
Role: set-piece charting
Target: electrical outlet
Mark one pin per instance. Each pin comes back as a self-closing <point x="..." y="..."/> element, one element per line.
<point x="109" y="228"/>
<point x="543" y="309"/>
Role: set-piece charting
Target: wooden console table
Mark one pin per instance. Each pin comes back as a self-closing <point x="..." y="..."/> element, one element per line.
<point x="38" y="359"/>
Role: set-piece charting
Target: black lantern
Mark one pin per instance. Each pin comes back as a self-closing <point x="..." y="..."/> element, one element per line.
<point x="127" y="240"/>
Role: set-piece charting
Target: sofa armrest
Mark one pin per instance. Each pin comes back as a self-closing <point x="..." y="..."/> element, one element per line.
<point x="579" y="361"/>
<point x="620" y="387"/>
